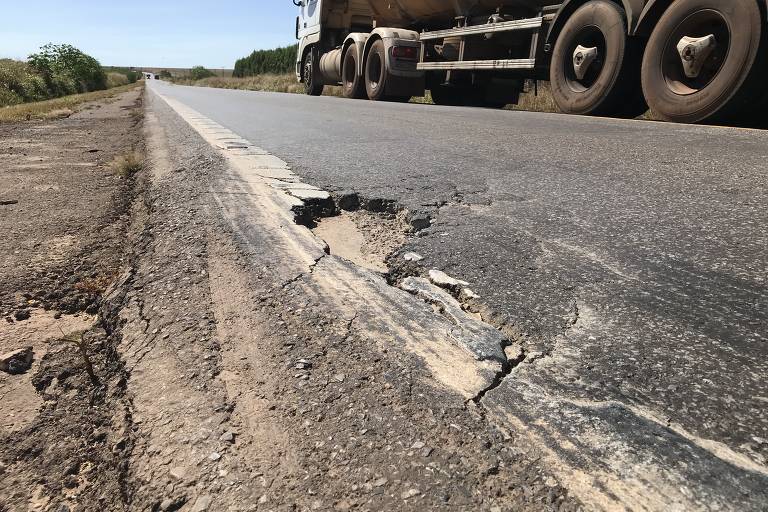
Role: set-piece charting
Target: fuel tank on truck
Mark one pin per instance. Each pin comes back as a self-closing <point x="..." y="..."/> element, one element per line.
<point x="409" y="12"/>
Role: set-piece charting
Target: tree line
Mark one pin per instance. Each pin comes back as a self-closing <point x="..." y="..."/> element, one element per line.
<point x="56" y="70"/>
<point x="276" y="61"/>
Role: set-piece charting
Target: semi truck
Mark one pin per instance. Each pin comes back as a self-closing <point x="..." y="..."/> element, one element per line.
<point x="690" y="61"/>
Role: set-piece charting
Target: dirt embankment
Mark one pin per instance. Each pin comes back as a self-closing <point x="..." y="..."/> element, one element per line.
<point x="65" y="200"/>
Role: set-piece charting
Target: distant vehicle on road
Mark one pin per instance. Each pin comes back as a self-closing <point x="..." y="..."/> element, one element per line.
<point x="689" y="60"/>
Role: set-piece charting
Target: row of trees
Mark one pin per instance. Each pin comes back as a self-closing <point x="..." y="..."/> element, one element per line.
<point x="277" y="61"/>
<point x="56" y="70"/>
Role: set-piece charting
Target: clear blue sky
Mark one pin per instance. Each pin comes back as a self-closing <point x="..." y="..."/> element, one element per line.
<point x="162" y="33"/>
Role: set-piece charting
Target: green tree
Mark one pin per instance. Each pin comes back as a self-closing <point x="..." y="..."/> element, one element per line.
<point x="276" y="61"/>
<point x="64" y="67"/>
<point x="199" y="72"/>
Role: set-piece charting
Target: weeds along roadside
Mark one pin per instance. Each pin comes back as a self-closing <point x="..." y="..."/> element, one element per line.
<point x="534" y="99"/>
<point x="59" y="107"/>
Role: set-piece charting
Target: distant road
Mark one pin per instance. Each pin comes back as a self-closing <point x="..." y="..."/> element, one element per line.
<point x="631" y="257"/>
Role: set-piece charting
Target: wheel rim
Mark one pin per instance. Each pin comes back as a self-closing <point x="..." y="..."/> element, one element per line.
<point x="701" y="24"/>
<point x="588" y="37"/>
<point x="374" y="70"/>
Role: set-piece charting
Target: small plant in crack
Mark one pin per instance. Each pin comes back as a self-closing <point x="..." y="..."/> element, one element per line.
<point x="79" y="341"/>
<point x="127" y="165"/>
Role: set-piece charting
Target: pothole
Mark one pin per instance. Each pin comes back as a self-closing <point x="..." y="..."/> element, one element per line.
<point x="364" y="238"/>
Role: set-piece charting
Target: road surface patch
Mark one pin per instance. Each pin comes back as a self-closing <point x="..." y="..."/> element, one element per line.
<point x="268" y="195"/>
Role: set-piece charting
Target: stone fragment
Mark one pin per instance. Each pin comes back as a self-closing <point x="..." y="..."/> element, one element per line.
<point x="418" y="445"/>
<point x="303" y="364"/>
<point x="16" y="362"/>
<point x="381" y="482"/>
<point x="227" y="437"/>
<point x="178" y="472"/>
<point x="22" y="314"/>
<point x="201" y="504"/>
<point x="412" y="256"/>
<point x="410" y="493"/>
<point x="440" y="278"/>
<point x="421" y="221"/>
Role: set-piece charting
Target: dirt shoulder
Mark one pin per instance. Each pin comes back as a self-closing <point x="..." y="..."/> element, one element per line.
<point x="64" y="215"/>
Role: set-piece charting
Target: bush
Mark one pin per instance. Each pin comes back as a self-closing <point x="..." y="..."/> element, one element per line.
<point x="57" y="70"/>
<point x="19" y="83"/>
<point x="60" y="63"/>
<point x="35" y="88"/>
<point x="13" y="75"/>
<point x="276" y="61"/>
<point x="116" y="80"/>
<point x="166" y="75"/>
<point x="8" y="97"/>
<point x="200" y="73"/>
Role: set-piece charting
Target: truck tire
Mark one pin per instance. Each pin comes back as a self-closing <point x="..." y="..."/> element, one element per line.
<point x="609" y="82"/>
<point x="376" y="72"/>
<point x="353" y="85"/>
<point x="313" y="86"/>
<point x="729" y="82"/>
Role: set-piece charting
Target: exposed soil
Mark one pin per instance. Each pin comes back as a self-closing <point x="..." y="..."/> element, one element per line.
<point x="64" y="216"/>
<point x="364" y="238"/>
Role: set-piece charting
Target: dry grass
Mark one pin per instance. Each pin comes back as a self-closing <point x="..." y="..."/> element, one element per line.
<point x="529" y="100"/>
<point x="534" y="100"/>
<point x="271" y="83"/>
<point x="59" y="107"/>
<point x="127" y="165"/>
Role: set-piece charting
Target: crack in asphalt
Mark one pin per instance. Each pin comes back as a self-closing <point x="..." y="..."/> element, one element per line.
<point x="301" y="275"/>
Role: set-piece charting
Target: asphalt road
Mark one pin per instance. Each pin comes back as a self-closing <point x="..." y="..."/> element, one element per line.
<point x="632" y="256"/>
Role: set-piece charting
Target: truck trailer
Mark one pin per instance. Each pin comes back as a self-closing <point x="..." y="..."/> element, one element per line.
<point x="690" y="61"/>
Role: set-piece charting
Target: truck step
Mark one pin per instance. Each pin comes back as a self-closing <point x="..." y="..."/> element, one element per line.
<point x="477" y="64"/>
<point x="505" y="26"/>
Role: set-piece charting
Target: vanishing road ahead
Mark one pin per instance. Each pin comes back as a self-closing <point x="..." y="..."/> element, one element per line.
<point x="629" y="257"/>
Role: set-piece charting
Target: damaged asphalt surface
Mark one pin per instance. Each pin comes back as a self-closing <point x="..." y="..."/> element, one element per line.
<point x="627" y="260"/>
<point x="249" y="393"/>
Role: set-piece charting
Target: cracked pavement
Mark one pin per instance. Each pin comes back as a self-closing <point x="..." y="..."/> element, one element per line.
<point x="626" y="259"/>
<point x="259" y="379"/>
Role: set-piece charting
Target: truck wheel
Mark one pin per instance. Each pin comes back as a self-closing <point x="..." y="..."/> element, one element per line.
<point x="376" y="72"/>
<point x="352" y="83"/>
<point x="312" y="85"/>
<point x="700" y="62"/>
<point x="595" y="66"/>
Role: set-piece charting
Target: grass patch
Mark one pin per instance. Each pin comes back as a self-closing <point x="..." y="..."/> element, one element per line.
<point x="534" y="100"/>
<point x="268" y="82"/>
<point x="127" y="165"/>
<point x="59" y="107"/>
